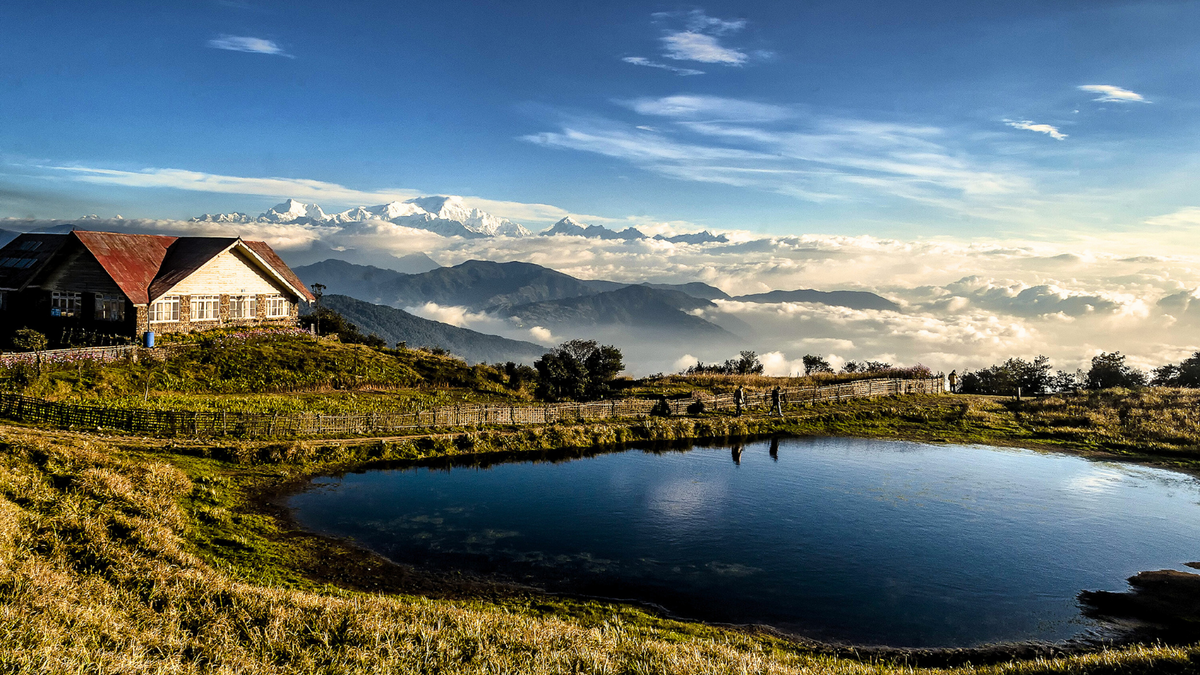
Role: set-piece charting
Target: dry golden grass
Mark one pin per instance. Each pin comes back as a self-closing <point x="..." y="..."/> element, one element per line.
<point x="97" y="575"/>
<point x="1154" y="420"/>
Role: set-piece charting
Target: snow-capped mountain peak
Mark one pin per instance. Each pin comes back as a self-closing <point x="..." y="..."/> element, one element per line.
<point x="291" y="211"/>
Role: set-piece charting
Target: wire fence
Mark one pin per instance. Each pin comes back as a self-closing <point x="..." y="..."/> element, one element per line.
<point x="257" y="425"/>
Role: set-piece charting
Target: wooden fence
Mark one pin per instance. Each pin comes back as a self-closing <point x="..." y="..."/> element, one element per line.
<point x="254" y="425"/>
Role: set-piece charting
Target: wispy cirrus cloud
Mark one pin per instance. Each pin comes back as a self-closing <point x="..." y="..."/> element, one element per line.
<point x="1111" y="94"/>
<point x="253" y="45"/>
<point x="786" y="150"/>
<point x="1049" y="130"/>
<point x="643" y="61"/>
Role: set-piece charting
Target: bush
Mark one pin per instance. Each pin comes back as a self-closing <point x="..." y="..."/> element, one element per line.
<point x="28" y="340"/>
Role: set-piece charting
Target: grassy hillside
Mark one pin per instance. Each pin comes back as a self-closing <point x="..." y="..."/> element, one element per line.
<point x="394" y="325"/>
<point x="268" y="371"/>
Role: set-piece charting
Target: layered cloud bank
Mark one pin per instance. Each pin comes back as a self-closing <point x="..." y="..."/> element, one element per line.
<point x="961" y="304"/>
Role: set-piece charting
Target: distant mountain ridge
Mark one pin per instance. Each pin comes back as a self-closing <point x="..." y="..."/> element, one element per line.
<point x="396" y="325"/>
<point x="639" y="307"/>
<point x="448" y="216"/>
<point x="850" y="299"/>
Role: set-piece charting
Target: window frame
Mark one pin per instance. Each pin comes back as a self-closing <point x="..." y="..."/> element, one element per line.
<point x="107" y="303"/>
<point x="277" y="303"/>
<point x="172" y="306"/>
<point x="68" y="304"/>
<point x="204" y="303"/>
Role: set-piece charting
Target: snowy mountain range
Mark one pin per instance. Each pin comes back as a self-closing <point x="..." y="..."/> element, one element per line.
<point x="447" y="216"/>
<point x="570" y="227"/>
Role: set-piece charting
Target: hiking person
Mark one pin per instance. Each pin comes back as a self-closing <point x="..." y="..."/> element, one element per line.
<point x="739" y="400"/>
<point x="777" y="402"/>
<point x="953" y="381"/>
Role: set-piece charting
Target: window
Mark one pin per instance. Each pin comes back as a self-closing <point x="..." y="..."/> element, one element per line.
<point x="206" y="307"/>
<point x="65" y="303"/>
<point x="110" y="307"/>
<point x="18" y="263"/>
<point x="165" y="309"/>
<point x="29" y="246"/>
<point x="3" y="300"/>
<point x="277" y="306"/>
<point x="243" y="307"/>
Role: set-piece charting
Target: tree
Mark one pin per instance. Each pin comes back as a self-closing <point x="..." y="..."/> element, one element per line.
<point x="325" y="321"/>
<point x="1110" y="370"/>
<point x="747" y="363"/>
<point x="578" y="370"/>
<point x="816" y="364"/>
<point x="1186" y="374"/>
<point x="1030" y="377"/>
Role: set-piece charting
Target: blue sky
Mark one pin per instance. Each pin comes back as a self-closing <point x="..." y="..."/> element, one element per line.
<point x="898" y="119"/>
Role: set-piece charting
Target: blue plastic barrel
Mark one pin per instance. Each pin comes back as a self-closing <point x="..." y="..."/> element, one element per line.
<point x="149" y="339"/>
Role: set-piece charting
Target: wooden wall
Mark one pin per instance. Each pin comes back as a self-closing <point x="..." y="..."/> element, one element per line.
<point x="231" y="273"/>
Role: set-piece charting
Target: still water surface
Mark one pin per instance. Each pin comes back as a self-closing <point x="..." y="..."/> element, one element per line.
<point x="852" y="540"/>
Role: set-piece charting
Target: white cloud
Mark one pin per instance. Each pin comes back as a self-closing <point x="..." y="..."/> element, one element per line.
<point x="1187" y="217"/>
<point x="1028" y="125"/>
<point x="643" y="61"/>
<point x="542" y="335"/>
<point x="689" y="46"/>
<point x="1110" y="94"/>
<point x="253" y="45"/>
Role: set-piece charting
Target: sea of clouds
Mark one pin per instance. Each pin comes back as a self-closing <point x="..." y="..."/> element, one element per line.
<point x="962" y="304"/>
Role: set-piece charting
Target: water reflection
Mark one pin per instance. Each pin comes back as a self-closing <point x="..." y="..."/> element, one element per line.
<point x="848" y="539"/>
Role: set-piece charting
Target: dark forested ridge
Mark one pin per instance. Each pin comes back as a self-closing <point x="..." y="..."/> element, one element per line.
<point x="395" y="325"/>
<point x="476" y="284"/>
<point x="850" y="299"/>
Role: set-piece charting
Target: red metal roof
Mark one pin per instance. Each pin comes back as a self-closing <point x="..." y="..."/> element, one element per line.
<point x="132" y="260"/>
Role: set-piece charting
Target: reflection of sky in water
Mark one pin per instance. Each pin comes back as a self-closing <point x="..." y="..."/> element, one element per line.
<point x="850" y="539"/>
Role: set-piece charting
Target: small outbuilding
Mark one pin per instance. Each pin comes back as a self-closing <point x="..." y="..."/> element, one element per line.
<point x="127" y="284"/>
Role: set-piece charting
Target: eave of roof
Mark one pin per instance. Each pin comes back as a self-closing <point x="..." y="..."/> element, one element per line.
<point x="268" y="256"/>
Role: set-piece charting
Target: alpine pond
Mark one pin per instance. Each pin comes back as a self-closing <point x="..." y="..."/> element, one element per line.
<point x="847" y="540"/>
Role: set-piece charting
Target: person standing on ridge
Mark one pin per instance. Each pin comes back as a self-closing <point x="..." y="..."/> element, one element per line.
<point x="953" y="377"/>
